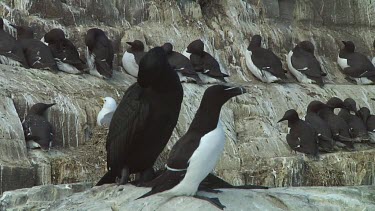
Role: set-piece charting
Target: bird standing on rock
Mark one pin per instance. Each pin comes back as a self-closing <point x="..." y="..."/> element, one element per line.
<point x="132" y="57"/>
<point x="105" y="115"/>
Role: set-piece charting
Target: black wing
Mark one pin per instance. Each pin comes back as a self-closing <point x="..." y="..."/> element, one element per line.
<point x="212" y="65"/>
<point x="103" y="52"/>
<point x="266" y="60"/>
<point x="307" y="64"/>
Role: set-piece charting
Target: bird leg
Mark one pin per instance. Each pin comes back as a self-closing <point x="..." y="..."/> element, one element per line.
<point x="124" y="176"/>
<point x="145" y="176"/>
<point x="214" y="201"/>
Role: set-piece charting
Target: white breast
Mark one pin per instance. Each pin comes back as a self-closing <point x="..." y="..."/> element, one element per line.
<point x="264" y="76"/>
<point x="42" y="40"/>
<point x="129" y="64"/>
<point x="343" y="63"/>
<point x="90" y="58"/>
<point x="101" y="114"/>
<point x="300" y="76"/>
<point x="65" y="67"/>
<point x="373" y="61"/>
<point x="201" y="163"/>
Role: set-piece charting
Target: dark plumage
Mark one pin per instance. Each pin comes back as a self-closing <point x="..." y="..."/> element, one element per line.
<point x="302" y="137"/>
<point x="181" y="63"/>
<point x="144" y="120"/>
<point x="37" y="128"/>
<point x="367" y="118"/>
<point x="99" y="53"/>
<point x="7" y="41"/>
<point x="132" y="56"/>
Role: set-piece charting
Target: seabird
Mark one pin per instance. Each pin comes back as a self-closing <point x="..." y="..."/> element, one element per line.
<point x="263" y="63"/>
<point x="133" y="56"/>
<point x="181" y="64"/>
<point x="196" y="153"/>
<point x="64" y="52"/>
<point x="7" y="43"/>
<point x="105" y="115"/>
<point x="302" y="137"/>
<point x="355" y="65"/>
<point x="39" y="133"/>
<point x="369" y="120"/>
<point x="303" y="64"/>
<point x="144" y="120"/>
<point x="99" y="53"/>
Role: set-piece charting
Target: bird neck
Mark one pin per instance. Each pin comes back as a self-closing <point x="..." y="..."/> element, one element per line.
<point x="206" y="119"/>
<point x="169" y="82"/>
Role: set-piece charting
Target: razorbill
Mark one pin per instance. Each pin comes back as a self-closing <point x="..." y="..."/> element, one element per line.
<point x="203" y="62"/>
<point x="132" y="57"/>
<point x="144" y="120"/>
<point x="36" y="53"/>
<point x="263" y="63"/>
<point x="326" y="143"/>
<point x="303" y="64"/>
<point x="357" y="127"/>
<point x="301" y="137"/>
<point x="369" y="120"/>
<point x="181" y="64"/>
<point x="99" y="53"/>
<point x="196" y="153"/>
<point x="105" y="115"/>
<point x="355" y="65"/>
<point x="39" y="133"/>
<point x="64" y="52"/>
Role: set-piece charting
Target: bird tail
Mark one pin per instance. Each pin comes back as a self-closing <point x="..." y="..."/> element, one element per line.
<point x="103" y="68"/>
<point x="106" y="179"/>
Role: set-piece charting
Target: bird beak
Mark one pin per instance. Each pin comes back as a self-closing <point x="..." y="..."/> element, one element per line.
<point x="49" y="105"/>
<point x="283" y="119"/>
<point x="130" y="43"/>
<point x="102" y="101"/>
<point x="236" y="90"/>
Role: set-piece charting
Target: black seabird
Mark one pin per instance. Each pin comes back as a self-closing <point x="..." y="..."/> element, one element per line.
<point x="326" y="143"/>
<point x="303" y="64"/>
<point x="302" y="137"/>
<point x="132" y="57"/>
<point x="263" y="63"/>
<point x="36" y="53"/>
<point x="7" y="41"/>
<point x="196" y="153"/>
<point x="64" y="52"/>
<point x="181" y="64"/>
<point x="99" y="53"/>
<point x="355" y="65"/>
<point x="144" y="120"/>
<point x="203" y="61"/>
<point x="369" y="121"/>
<point x="38" y="131"/>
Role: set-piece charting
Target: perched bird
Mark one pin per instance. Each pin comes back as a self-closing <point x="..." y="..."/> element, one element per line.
<point x="133" y="56"/>
<point x="35" y="52"/>
<point x="303" y="64"/>
<point x="203" y="61"/>
<point x="39" y="133"/>
<point x="196" y="153"/>
<point x="355" y="65"/>
<point x="326" y="143"/>
<point x="144" y="120"/>
<point x="105" y="115"/>
<point x="64" y="52"/>
<point x="302" y="137"/>
<point x="369" y="120"/>
<point x="357" y="127"/>
<point x="99" y="53"/>
<point x="181" y="64"/>
<point x="263" y="63"/>
<point x="7" y="43"/>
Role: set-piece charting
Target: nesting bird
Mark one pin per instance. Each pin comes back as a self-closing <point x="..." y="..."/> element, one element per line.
<point x="105" y="114"/>
<point x="369" y="121"/>
<point x="132" y="56"/>
<point x="7" y="41"/>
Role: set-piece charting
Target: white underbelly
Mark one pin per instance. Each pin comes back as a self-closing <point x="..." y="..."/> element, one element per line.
<point x="373" y="61"/>
<point x="302" y="78"/>
<point x="343" y="63"/>
<point x="129" y="64"/>
<point x="264" y="76"/>
<point x="362" y="81"/>
<point x="65" y="67"/>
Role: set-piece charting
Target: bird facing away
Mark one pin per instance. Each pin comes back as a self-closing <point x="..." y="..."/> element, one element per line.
<point x="326" y="143"/>
<point x="367" y="118"/>
<point x="303" y="64"/>
<point x="355" y="65"/>
<point x="7" y="43"/>
<point x="263" y="63"/>
<point x="39" y="133"/>
<point x="196" y="153"/>
<point x="64" y="52"/>
<point x="105" y="115"/>
<point x="132" y="57"/>
<point x="144" y="120"/>
<point x="302" y="137"/>
<point x="99" y="53"/>
<point x="203" y="61"/>
<point x="181" y="64"/>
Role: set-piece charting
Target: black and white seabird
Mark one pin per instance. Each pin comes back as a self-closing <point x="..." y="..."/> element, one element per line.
<point x="144" y="120"/>
<point x="36" y="53"/>
<point x="132" y="57"/>
<point x="263" y="63"/>
<point x="99" y="53"/>
<point x="181" y="64"/>
<point x="196" y="153"/>
<point x="39" y="133"/>
<point x="203" y="62"/>
<point x="356" y="65"/>
<point x="105" y="115"/>
<point x="357" y="127"/>
<point x="303" y="64"/>
<point x="369" y="120"/>
<point x="326" y="143"/>
<point x="302" y="137"/>
<point x="64" y="52"/>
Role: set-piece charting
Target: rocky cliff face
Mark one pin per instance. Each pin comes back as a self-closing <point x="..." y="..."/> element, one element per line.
<point x="256" y="151"/>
